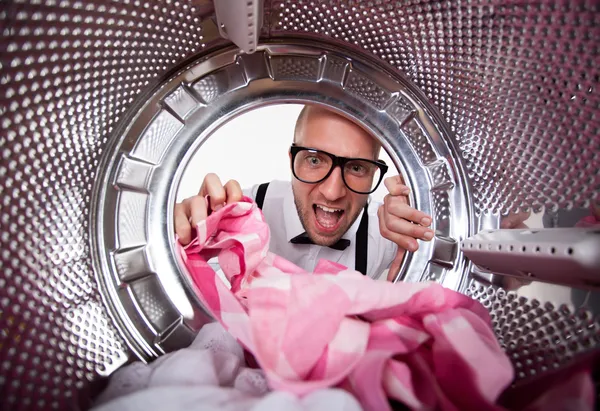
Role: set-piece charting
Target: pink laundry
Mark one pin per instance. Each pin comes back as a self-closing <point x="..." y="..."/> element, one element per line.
<point x="592" y="220"/>
<point x="420" y="344"/>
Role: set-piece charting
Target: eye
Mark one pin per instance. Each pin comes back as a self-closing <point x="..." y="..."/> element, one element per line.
<point x="313" y="160"/>
<point x="357" y="168"/>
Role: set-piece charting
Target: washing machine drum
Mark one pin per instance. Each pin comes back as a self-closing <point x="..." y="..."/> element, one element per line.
<point x="487" y="107"/>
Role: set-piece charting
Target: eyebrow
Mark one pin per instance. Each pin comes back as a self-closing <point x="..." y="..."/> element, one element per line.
<point x="349" y="157"/>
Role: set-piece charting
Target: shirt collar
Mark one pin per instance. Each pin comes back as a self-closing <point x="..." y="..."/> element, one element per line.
<point x="293" y="225"/>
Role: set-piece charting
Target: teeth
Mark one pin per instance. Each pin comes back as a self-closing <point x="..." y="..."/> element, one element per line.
<point x="329" y="210"/>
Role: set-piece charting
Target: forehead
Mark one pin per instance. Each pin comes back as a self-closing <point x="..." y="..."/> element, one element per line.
<point x="331" y="132"/>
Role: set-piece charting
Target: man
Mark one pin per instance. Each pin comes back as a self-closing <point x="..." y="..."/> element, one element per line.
<point x="334" y="163"/>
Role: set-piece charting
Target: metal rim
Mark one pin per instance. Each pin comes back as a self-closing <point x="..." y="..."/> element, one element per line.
<point x="142" y="284"/>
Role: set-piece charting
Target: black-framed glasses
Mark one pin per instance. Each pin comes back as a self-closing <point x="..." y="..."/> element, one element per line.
<point x="360" y="175"/>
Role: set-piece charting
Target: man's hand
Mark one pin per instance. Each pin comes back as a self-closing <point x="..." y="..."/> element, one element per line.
<point x="514" y="220"/>
<point x="194" y="209"/>
<point x="400" y="223"/>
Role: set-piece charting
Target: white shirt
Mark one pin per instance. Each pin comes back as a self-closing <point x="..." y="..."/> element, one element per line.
<point x="281" y="215"/>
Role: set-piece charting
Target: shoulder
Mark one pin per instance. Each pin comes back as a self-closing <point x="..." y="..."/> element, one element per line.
<point x="381" y="250"/>
<point x="275" y="189"/>
<point x="384" y="244"/>
<point x="278" y="189"/>
<point x="372" y="209"/>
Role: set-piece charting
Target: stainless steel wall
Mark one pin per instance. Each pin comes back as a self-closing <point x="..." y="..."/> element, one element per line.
<point x="516" y="82"/>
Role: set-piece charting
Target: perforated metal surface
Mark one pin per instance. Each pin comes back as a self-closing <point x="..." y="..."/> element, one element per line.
<point x="69" y="70"/>
<point x="517" y="83"/>
<point x="541" y="335"/>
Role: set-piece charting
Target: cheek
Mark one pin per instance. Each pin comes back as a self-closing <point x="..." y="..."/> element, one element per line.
<point x="302" y="192"/>
<point x="357" y="202"/>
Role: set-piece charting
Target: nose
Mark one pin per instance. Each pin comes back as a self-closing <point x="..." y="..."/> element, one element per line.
<point x="333" y="188"/>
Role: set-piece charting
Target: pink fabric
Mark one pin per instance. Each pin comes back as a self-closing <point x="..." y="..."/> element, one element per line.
<point x="592" y="220"/>
<point x="418" y="343"/>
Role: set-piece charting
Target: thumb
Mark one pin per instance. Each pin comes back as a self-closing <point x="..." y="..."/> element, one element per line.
<point x="396" y="264"/>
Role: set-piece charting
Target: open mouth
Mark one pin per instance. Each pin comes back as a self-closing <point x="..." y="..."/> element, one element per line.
<point x="328" y="219"/>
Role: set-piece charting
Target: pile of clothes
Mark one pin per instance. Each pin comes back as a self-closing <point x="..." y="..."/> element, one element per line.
<point x="328" y="340"/>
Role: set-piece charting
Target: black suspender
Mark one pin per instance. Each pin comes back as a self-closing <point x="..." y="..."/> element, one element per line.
<point x="260" y="194"/>
<point x="360" y="261"/>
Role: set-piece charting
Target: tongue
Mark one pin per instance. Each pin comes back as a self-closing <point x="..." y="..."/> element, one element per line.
<point x="327" y="219"/>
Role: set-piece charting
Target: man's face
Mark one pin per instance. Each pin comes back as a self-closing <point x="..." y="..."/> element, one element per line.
<point x="329" y="208"/>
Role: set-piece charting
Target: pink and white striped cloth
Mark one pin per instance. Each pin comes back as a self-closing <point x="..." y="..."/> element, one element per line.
<point x="416" y="343"/>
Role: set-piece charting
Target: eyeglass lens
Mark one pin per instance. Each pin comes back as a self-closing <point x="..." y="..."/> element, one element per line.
<point x="312" y="166"/>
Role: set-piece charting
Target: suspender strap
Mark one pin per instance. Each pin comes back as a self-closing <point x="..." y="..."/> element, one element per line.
<point x="260" y="194"/>
<point x="360" y="263"/>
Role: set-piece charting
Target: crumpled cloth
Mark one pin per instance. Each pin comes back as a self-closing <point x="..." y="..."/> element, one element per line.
<point x="209" y="375"/>
<point x="420" y="344"/>
<point x="415" y="344"/>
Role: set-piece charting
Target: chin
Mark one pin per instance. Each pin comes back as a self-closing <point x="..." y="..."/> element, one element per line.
<point x="326" y="239"/>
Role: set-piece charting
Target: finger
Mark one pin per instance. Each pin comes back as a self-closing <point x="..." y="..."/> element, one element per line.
<point x="404" y="227"/>
<point x="183" y="228"/>
<point x="396" y="264"/>
<point x="403" y="241"/>
<point x="397" y="179"/>
<point x="395" y="185"/>
<point x="233" y="191"/>
<point x="398" y="207"/>
<point x="198" y="210"/>
<point x="514" y="220"/>
<point x="521" y="225"/>
<point x="513" y="283"/>
<point x="213" y="188"/>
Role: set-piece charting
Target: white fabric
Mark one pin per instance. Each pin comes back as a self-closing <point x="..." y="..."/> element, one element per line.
<point x="209" y="375"/>
<point x="281" y="215"/>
